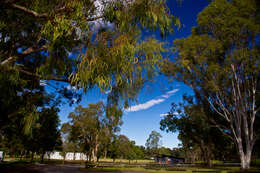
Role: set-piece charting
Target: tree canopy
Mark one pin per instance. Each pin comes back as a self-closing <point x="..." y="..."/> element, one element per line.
<point x="86" y="43"/>
<point x="89" y="127"/>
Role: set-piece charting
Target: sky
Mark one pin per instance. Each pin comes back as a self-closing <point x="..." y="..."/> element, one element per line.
<point x="155" y="99"/>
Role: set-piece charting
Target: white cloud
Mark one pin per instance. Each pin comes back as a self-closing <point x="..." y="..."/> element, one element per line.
<point x="152" y="102"/>
<point x="69" y="87"/>
<point x="164" y="115"/>
<point x="74" y="100"/>
<point x="144" y="106"/>
<point x="43" y="83"/>
<point x="170" y="93"/>
<point x="108" y="92"/>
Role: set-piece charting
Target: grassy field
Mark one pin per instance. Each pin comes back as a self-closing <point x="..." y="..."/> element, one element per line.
<point x="127" y="161"/>
<point x="124" y="167"/>
<point x="172" y="170"/>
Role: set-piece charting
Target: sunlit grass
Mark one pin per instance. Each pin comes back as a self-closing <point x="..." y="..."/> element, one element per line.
<point x="165" y="170"/>
<point x="126" y="161"/>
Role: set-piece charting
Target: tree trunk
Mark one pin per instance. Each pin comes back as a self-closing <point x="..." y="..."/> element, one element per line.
<point x="95" y="150"/>
<point x="94" y="156"/>
<point x="64" y="158"/>
<point x="42" y="157"/>
<point x="32" y="157"/>
<point x="245" y="158"/>
<point x="105" y="153"/>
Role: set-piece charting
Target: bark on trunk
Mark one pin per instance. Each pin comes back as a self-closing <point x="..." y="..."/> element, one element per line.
<point x="245" y="157"/>
<point x="94" y="155"/>
<point x="32" y="157"/>
<point x="105" y="153"/>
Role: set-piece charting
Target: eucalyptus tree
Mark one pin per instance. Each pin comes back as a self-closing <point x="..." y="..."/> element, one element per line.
<point x="89" y="126"/>
<point x="85" y="43"/>
<point x="220" y="62"/>
<point x="153" y="142"/>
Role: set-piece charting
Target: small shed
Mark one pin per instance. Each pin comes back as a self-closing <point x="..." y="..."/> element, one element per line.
<point x="168" y="159"/>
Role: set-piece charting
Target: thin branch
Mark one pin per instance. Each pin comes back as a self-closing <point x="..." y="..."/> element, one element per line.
<point x="32" y="50"/>
<point x="94" y="18"/>
<point x="34" y="13"/>
<point x="26" y="52"/>
<point x="8" y="60"/>
<point x="41" y="77"/>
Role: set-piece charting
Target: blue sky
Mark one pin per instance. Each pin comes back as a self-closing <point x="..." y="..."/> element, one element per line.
<point x="155" y="98"/>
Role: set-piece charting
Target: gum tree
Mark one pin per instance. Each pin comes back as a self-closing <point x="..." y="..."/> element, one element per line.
<point x="220" y="62"/>
<point x="85" y="43"/>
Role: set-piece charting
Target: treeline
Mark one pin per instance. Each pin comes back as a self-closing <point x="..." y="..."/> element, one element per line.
<point x="94" y="131"/>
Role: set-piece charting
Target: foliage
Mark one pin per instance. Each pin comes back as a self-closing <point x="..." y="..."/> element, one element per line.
<point x="153" y="142"/>
<point x="220" y="62"/>
<point x="38" y="38"/>
<point x="90" y="126"/>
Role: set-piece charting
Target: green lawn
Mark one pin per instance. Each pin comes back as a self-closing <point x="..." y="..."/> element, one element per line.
<point x="171" y="169"/>
<point x="127" y="161"/>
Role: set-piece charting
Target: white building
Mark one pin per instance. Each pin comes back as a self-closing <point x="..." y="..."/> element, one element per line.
<point x="1" y="156"/>
<point x="69" y="156"/>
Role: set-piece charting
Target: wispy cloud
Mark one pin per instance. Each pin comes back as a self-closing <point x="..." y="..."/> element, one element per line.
<point x="145" y="105"/>
<point x="152" y="102"/>
<point x="165" y="114"/>
<point x="170" y="93"/>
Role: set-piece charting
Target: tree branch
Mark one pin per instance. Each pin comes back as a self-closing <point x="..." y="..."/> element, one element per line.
<point x="94" y="18"/>
<point x="40" y="77"/>
<point x="34" y="13"/>
<point x="9" y="59"/>
<point x="32" y="50"/>
<point x="26" y="52"/>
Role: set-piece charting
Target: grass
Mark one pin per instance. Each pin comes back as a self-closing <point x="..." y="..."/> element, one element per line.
<point x="127" y="161"/>
<point x="170" y="169"/>
<point x="124" y="167"/>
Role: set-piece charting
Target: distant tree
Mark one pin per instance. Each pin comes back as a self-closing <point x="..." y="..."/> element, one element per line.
<point x="153" y="142"/>
<point x="220" y="62"/>
<point x="89" y="126"/>
<point x="165" y="151"/>
<point x="139" y="152"/>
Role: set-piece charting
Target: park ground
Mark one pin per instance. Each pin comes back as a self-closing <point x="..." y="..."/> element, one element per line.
<point x="122" y="166"/>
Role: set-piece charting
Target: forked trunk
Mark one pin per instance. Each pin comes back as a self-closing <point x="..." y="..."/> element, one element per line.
<point x="245" y="156"/>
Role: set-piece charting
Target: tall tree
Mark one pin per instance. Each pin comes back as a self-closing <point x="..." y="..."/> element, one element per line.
<point x="153" y="142"/>
<point x="88" y="127"/>
<point x="220" y="62"/>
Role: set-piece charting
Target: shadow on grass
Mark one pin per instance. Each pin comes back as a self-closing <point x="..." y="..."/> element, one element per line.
<point x="17" y="167"/>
